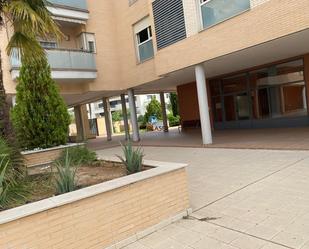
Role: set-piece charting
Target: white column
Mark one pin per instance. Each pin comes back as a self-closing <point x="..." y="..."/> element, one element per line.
<point x="164" y="115"/>
<point x="135" y="129"/>
<point x="107" y="116"/>
<point x="125" y="116"/>
<point x="203" y="104"/>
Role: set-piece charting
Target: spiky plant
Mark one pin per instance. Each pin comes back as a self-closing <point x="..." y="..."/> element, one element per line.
<point x="66" y="175"/>
<point x="12" y="186"/>
<point x="133" y="158"/>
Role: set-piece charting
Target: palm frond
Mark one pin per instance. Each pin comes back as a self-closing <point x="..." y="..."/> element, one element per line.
<point x="28" y="47"/>
<point x="30" y="19"/>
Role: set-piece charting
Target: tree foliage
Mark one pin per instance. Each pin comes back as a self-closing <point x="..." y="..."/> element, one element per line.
<point x="29" y="19"/>
<point x="153" y="109"/>
<point x="40" y="116"/>
<point x="174" y="104"/>
<point x="117" y="116"/>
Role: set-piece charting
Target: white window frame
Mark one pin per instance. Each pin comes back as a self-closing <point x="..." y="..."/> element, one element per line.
<point x="149" y="32"/>
<point x="141" y="25"/>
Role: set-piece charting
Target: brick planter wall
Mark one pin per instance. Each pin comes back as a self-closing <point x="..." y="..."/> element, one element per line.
<point x="45" y="156"/>
<point x="118" y="211"/>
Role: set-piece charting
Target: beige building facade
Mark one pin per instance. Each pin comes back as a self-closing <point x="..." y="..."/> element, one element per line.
<point x="238" y="63"/>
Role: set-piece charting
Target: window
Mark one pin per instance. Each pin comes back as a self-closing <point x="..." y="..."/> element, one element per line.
<point x="91" y="47"/>
<point x="87" y="42"/>
<point x="48" y="44"/>
<point x="216" y="11"/>
<point x="143" y="37"/>
<point x="144" y="44"/>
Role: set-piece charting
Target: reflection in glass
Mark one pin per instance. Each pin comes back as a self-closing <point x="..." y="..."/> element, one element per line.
<point x="215" y="11"/>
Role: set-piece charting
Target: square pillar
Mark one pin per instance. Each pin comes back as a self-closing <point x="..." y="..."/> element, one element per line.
<point x="125" y="116"/>
<point x="306" y="75"/>
<point x="164" y="115"/>
<point x="81" y="120"/>
<point x="108" y="118"/>
<point x="135" y="137"/>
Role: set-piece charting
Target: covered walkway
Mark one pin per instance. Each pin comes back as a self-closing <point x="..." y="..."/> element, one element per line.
<point x="279" y="139"/>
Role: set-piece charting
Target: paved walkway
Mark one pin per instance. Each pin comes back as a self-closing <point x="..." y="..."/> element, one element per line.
<point x="276" y="139"/>
<point x="242" y="199"/>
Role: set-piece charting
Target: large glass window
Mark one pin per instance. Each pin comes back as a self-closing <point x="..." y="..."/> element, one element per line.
<point x="277" y="91"/>
<point x="216" y="11"/>
<point x="280" y="90"/>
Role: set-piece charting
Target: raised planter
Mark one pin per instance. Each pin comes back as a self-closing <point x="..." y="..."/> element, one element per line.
<point x="41" y="157"/>
<point x="110" y="214"/>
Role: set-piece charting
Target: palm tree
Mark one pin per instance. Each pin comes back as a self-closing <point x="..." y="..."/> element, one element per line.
<point x="28" y="20"/>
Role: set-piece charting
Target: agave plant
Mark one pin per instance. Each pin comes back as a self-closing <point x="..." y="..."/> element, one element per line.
<point x="66" y="175"/>
<point x="133" y="158"/>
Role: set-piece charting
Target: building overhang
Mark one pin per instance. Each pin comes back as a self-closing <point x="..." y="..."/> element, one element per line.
<point x="69" y="14"/>
<point x="287" y="47"/>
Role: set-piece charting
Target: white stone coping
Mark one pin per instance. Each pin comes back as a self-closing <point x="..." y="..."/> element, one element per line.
<point x="28" y="152"/>
<point x="60" y="200"/>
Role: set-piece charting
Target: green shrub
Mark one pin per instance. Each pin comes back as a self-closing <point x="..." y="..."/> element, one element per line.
<point x="12" y="184"/>
<point x="133" y="158"/>
<point x="117" y="116"/>
<point x="66" y="175"/>
<point x="140" y="119"/>
<point x="153" y="109"/>
<point x="174" y="104"/>
<point x="40" y="116"/>
<point x="173" y="121"/>
<point x="79" y="155"/>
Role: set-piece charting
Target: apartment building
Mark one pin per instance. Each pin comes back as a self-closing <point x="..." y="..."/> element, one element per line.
<point x="233" y="63"/>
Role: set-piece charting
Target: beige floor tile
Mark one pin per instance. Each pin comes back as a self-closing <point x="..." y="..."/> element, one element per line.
<point x="208" y="243"/>
<point x="136" y="245"/>
<point x="169" y="244"/>
<point x="225" y="235"/>
<point x="248" y="242"/>
<point x="291" y="240"/>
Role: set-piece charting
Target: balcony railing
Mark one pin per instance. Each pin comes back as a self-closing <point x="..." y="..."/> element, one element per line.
<point x="78" y="4"/>
<point x="62" y="59"/>
<point x="216" y="11"/>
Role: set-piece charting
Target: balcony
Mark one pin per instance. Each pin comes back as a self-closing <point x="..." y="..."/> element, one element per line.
<point x="76" y="4"/>
<point x="69" y="10"/>
<point x="65" y="65"/>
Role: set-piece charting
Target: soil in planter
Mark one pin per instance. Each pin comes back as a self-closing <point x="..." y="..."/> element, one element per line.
<point x="41" y="181"/>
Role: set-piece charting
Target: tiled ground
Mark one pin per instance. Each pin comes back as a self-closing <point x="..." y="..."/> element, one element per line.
<point x="243" y="199"/>
<point x="281" y="138"/>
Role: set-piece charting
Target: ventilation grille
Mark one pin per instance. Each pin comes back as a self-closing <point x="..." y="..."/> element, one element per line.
<point x="169" y="22"/>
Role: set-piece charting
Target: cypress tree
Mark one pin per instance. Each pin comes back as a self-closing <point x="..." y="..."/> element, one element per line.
<point x="40" y="116"/>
